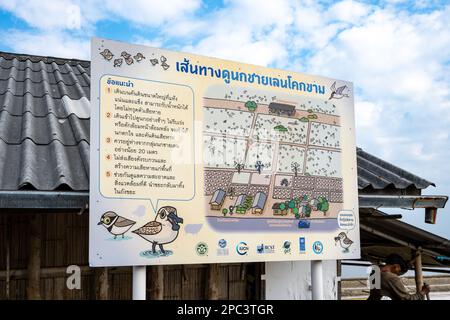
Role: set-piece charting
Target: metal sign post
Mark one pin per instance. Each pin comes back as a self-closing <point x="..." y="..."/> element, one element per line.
<point x="317" y="280"/>
<point x="139" y="282"/>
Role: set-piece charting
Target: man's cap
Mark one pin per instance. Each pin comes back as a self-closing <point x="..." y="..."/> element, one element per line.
<point x="396" y="259"/>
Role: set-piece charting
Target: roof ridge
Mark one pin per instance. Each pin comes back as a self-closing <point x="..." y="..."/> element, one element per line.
<point x="45" y="59"/>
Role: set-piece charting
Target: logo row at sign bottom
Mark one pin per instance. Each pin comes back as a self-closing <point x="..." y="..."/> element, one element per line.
<point x="242" y="248"/>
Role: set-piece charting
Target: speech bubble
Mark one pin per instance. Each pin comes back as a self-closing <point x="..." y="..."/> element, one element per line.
<point x="146" y="128"/>
<point x="346" y="220"/>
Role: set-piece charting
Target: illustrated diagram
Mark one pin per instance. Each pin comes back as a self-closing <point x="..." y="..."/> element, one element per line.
<point x="270" y="158"/>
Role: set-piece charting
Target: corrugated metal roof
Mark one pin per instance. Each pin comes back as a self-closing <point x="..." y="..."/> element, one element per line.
<point x="44" y="129"/>
<point x="379" y="174"/>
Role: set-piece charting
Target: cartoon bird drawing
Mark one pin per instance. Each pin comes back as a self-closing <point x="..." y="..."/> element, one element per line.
<point x="125" y="55"/>
<point x="154" y="61"/>
<point x="139" y="57"/>
<point x="165" y="66"/>
<point x="344" y="241"/>
<point x="164" y="63"/>
<point x="115" y="224"/>
<point x="129" y="60"/>
<point x="339" y="92"/>
<point x="118" y="62"/>
<point x="107" y="54"/>
<point x="163" y="229"/>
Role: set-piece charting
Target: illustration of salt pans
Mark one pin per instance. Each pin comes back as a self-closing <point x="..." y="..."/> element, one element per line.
<point x="270" y="158"/>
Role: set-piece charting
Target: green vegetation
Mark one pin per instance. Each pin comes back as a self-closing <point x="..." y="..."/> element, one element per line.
<point x="323" y="204"/>
<point x="224" y="211"/>
<point x="304" y="119"/>
<point x="280" y="128"/>
<point x="251" y="105"/>
<point x="312" y="116"/>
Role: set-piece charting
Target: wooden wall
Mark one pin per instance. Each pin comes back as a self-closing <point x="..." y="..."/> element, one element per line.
<point x="64" y="241"/>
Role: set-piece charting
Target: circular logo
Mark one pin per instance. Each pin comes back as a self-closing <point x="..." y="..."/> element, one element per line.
<point x="201" y="248"/>
<point x="222" y="243"/>
<point x="317" y="247"/>
<point x="287" y="245"/>
<point x="242" y="248"/>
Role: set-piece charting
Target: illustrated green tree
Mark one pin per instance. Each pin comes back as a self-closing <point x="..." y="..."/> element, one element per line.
<point x="251" y="105"/>
<point x="296" y="213"/>
<point x="291" y="204"/>
<point x="282" y="206"/>
<point x="224" y="211"/>
<point x="307" y="210"/>
<point x="323" y="204"/>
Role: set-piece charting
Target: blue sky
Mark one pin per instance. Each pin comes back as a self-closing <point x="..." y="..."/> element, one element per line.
<point x="396" y="52"/>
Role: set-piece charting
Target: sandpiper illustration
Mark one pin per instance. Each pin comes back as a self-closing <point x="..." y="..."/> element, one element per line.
<point x="118" y="62"/>
<point x="154" y="61"/>
<point x="139" y="57"/>
<point x="125" y="55"/>
<point x="107" y="54"/>
<point x="344" y="241"/>
<point x="339" y="92"/>
<point x="129" y="60"/>
<point x="163" y="229"/>
<point x="115" y="224"/>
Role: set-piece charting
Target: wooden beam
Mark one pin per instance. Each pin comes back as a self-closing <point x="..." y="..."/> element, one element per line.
<point x="8" y="258"/>
<point x="34" y="260"/>
<point x="213" y="281"/>
<point x="156" y="286"/>
<point x="418" y="269"/>
<point x="102" y="286"/>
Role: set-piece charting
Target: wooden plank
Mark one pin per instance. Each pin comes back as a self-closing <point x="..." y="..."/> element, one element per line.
<point x="34" y="261"/>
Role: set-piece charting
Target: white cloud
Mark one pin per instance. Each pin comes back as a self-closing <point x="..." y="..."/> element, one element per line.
<point x="348" y="11"/>
<point x="60" y="14"/>
<point x="57" y="44"/>
<point x="151" y="12"/>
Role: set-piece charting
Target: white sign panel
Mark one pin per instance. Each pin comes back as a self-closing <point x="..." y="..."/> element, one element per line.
<point x="202" y="160"/>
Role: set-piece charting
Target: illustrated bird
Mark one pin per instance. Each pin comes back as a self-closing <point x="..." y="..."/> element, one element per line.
<point x="115" y="224"/>
<point x="125" y="54"/>
<point x="118" y="62"/>
<point x="344" y="241"/>
<point x="163" y="229"/>
<point x="339" y="92"/>
<point x="165" y="66"/>
<point x="107" y="54"/>
<point x="139" y="57"/>
<point x="154" y="61"/>
<point x="129" y="60"/>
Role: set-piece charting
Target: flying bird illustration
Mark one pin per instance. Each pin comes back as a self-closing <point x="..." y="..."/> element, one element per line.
<point x="118" y="62"/>
<point x="125" y="54"/>
<point x="115" y="224"/>
<point x="139" y="57"/>
<point x="163" y="229"/>
<point x="129" y="60"/>
<point x="163" y="59"/>
<point x="339" y="92"/>
<point x="344" y="241"/>
<point x="154" y="61"/>
<point x="165" y="66"/>
<point x="107" y="54"/>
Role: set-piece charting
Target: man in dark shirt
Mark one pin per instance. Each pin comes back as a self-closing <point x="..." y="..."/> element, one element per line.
<point x="391" y="283"/>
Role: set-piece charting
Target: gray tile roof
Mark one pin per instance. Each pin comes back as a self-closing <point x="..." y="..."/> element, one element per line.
<point x="44" y="129"/>
<point x="378" y="174"/>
